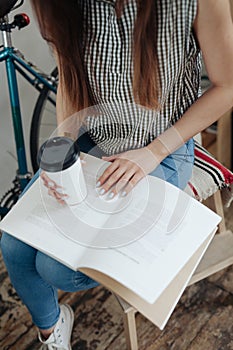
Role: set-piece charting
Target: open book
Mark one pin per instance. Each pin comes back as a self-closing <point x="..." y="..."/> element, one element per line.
<point x="144" y="247"/>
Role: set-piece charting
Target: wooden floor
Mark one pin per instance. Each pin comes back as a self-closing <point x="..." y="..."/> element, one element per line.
<point x="202" y="320"/>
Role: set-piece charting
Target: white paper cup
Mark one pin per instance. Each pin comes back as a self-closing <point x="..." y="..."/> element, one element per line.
<point x="59" y="158"/>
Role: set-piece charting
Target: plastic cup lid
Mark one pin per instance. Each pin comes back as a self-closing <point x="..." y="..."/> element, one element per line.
<point x="58" y="153"/>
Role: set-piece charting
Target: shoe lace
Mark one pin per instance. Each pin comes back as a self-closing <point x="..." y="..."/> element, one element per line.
<point x="55" y="346"/>
<point x="51" y="347"/>
<point x="57" y="343"/>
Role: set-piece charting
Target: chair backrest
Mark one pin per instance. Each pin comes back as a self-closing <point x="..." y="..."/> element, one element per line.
<point x="198" y="138"/>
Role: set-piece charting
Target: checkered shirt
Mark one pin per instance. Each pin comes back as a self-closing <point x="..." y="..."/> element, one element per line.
<point x="120" y="123"/>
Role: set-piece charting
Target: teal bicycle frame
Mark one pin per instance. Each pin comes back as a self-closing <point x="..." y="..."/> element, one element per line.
<point x="15" y="62"/>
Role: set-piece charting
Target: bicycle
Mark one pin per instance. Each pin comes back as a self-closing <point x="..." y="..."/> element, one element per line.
<point x="44" y="117"/>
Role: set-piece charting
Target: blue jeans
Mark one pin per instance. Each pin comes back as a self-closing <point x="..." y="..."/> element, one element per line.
<point x="37" y="277"/>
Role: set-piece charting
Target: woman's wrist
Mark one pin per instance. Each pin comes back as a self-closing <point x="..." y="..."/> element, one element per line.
<point x="159" y="150"/>
<point x="167" y="142"/>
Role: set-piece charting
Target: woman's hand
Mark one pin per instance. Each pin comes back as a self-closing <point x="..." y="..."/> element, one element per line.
<point x="126" y="170"/>
<point x="54" y="190"/>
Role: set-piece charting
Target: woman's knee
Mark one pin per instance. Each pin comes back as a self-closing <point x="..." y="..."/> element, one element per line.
<point x="15" y="251"/>
<point x="53" y="272"/>
<point x="60" y="276"/>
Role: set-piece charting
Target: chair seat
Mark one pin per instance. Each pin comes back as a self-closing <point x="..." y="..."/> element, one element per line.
<point x="209" y="176"/>
<point x="6" y="6"/>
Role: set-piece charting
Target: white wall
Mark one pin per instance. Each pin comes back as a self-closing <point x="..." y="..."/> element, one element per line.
<point x="28" y="41"/>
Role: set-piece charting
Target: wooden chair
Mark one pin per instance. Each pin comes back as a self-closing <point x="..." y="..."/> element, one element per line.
<point x="219" y="254"/>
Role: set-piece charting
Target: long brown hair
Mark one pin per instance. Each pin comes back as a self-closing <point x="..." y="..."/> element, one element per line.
<point x="61" y="24"/>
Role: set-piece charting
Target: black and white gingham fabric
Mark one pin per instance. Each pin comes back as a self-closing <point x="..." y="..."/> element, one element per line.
<point x="122" y="124"/>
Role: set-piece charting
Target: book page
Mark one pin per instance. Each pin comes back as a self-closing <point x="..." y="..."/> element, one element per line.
<point x="142" y="240"/>
<point x="149" y="264"/>
<point x="160" y="311"/>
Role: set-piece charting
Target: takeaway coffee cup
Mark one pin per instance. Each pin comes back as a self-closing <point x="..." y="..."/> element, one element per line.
<point x="59" y="158"/>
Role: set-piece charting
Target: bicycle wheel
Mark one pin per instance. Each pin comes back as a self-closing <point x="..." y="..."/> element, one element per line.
<point x="43" y="121"/>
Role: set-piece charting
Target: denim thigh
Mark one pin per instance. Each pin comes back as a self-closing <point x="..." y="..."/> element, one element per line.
<point x="177" y="167"/>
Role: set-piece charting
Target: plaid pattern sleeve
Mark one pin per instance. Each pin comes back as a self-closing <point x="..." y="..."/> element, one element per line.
<point x="209" y="175"/>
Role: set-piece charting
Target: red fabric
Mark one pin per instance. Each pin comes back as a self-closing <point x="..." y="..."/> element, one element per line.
<point x="193" y="189"/>
<point x="209" y="176"/>
<point x="227" y="174"/>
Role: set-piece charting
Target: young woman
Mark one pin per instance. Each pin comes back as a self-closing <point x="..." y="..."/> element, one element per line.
<point x="144" y="54"/>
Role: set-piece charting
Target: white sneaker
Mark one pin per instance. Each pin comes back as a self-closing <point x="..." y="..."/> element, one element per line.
<point x="60" y="338"/>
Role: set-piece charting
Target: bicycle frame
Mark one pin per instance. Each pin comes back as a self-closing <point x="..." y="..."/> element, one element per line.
<point x="15" y="62"/>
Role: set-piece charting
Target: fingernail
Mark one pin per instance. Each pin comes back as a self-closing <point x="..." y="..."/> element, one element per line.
<point x="102" y="191"/>
<point x="111" y="195"/>
<point x="59" y="190"/>
<point x="98" y="184"/>
<point x="50" y="184"/>
<point x="123" y="194"/>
